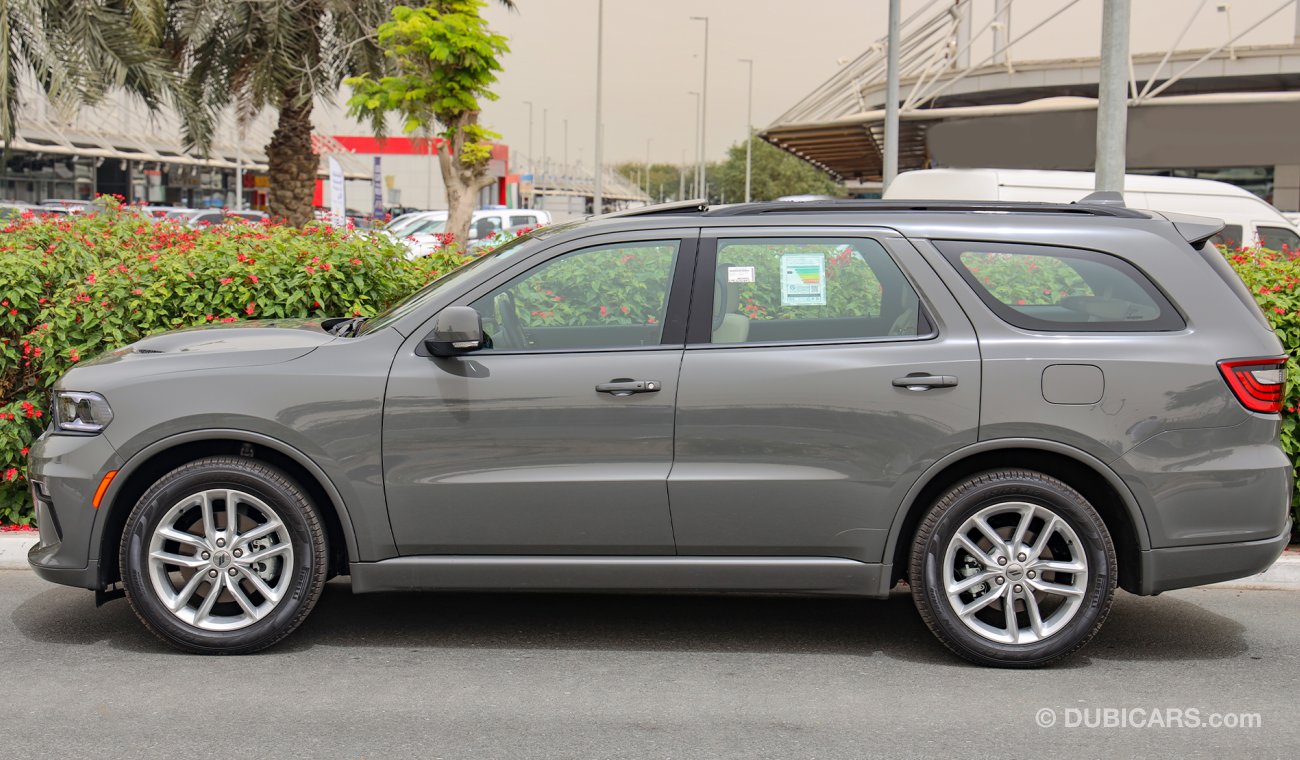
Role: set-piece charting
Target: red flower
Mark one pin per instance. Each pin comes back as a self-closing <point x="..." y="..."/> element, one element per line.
<point x="356" y="262"/>
<point x="90" y="278"/>
<point x="604" y="311"/>
<point x="210" y="317"/>
<point x="227" y="280"/>
<point x="252" y="278"/>
<point x="11" y="474"/>
<point x="23" y="450"/>
<point x="251" y="307"/>
<point x="624" y="309"/>
<point x="74" y="355"/>
<point x="651" y="321"/>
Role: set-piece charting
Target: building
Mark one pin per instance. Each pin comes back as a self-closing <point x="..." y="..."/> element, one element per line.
<point x="1214" y="93"/>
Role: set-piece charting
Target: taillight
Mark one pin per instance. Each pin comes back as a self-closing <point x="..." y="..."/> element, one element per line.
<point x="1259" y="384"/>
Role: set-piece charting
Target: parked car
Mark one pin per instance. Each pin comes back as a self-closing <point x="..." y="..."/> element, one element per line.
<point x="1248" y="219"/>
<point x="1013" y="407"/>
<point x="422" y="238"/>
<point x="201" y="217"/>
<point x="70" y="205"/>
<point x="10" y="209"/>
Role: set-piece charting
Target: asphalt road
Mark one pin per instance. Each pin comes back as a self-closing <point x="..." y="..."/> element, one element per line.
<point x="506" y="676"/>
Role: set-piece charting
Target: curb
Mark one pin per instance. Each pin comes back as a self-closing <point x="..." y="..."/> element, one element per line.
<point x="1284" y="574"/>
<point x="14" y="547"/>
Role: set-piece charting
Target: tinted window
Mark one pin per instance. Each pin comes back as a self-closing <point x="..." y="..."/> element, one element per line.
<point x="604" y="297"/>
<point x="796" y="289"/>
<point x="519" y="221"/>
<point x="208" y="219"/>
<point x="1278" y="238"/>
<point x="1229" y="237"/>
<point x="1044" y="288"/>
<point x="485" y="227"/>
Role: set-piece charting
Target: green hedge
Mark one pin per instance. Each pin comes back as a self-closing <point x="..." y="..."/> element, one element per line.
<point x="73" y="286"/>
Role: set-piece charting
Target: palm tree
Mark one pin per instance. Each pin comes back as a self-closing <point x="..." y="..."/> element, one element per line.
<point x="254" y="54"/>
<point x="75" y="51"/>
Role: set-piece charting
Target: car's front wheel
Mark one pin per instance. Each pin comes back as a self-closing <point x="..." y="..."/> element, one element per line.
<point x="1013" y="568"/>
<point x="223" y="555"/>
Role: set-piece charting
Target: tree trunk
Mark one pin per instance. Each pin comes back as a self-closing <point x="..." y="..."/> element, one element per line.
<point x="292" y="163"/>
<point x="462" y="182"/>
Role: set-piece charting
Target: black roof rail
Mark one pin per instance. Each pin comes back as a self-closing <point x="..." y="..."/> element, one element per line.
<point x="867" y="206"/>
<point x="697" y="205"/>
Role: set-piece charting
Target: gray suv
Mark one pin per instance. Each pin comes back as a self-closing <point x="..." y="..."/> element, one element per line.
<point x="1012" y="408"/>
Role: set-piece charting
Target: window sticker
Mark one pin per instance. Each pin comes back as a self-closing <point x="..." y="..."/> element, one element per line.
<point x="740" y="274"/>
<point x="803" y="279"/>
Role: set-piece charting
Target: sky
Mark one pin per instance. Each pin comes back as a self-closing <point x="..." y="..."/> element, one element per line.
<point x="653" y="55"/>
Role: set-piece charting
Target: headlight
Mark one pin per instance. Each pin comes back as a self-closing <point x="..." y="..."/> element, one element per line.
<point x="78" y="412"/>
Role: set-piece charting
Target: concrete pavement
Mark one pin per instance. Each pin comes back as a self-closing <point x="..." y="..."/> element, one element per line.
<point x="507" y="676"/>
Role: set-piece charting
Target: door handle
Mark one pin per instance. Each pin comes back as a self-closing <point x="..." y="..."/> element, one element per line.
<point x="923" y="382"/>
<point x="625" y="387"/>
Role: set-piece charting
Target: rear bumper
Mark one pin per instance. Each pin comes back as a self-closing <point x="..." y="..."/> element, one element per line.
<point x="1183" y="566"/>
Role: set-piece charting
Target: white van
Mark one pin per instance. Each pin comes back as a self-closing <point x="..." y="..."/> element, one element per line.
<point x="1249" y="219"/>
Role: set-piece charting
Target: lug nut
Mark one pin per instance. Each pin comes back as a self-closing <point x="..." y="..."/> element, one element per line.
<point x="221" y="542"/>
<point x="206" y="555"/>
<point x="1018" y="588"/>
<point x="1022" y="556"/>
<point x="212" y="573"/>
<point x="232" y="571"/>
<point x="1002" y="560"/>
<point x="1001" y="580"/>
<point x="238" y="552"/>
<point x="1032" y="574"/>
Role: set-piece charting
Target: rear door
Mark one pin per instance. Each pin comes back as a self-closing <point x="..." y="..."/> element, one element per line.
<point x="825" y="370"/>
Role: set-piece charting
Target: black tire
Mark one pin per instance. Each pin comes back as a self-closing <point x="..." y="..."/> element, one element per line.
<point x="301" y="521"/>
<point x="988" y="490"/>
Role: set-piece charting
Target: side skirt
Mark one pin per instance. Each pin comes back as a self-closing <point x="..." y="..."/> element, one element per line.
<point x="831" y="576"/>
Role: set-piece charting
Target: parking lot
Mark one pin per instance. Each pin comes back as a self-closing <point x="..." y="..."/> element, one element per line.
<point x="511" y="676"/>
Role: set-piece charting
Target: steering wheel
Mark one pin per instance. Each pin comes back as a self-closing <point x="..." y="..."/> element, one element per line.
<point x="510" y="324"/>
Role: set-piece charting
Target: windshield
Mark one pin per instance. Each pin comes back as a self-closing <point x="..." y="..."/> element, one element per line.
<point x="422" y="296"/>
<point x="402" y="222"/>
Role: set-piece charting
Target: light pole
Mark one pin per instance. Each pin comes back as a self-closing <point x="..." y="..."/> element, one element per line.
<point x="749" y="130"/>
<point x="597" y="194"/>
<point x="890" y="169"/>
<point x="696" y="189"/>
<point x="1112" y="97"/>
<point x="531" y="158"/>
<point x="704" y="107"/>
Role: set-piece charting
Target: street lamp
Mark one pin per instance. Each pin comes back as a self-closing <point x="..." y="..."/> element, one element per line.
<point x="597" y="194"/>
<point x="531" y="159"/>
<point x="749" y="129"/>
<point x="704" y="106"/>
<point x="696" y="190"/>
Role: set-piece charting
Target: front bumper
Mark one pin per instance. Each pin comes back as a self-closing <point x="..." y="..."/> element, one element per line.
<point x="70" y="469"/>
<point x="1183" y="566"/>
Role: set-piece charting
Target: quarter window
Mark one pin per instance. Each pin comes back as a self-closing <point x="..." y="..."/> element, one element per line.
<point x="810" y="289"/>
<point x="1045" y="288"/>
<point x="611" y="296"/>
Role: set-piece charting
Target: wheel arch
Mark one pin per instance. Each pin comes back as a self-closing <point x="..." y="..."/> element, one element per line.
<point x="160" y="457"/>
<point x="1092" y="477"/>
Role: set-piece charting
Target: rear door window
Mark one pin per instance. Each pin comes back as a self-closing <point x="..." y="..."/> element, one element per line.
<point x="1061" y="289"/>
<point x="780" y="290"/>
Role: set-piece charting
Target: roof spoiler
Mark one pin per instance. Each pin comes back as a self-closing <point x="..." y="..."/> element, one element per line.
<point x="1194" y="229"/>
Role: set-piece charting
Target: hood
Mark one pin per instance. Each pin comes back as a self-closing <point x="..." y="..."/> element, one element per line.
<point x="267" y="341"/>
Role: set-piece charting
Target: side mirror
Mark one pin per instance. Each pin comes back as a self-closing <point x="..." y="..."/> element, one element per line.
<point x="456" y="330"/>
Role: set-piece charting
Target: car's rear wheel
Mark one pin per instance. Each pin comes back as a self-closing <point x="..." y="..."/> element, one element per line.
<point x="1013" y="568"/>
<point x="224" y="555"/>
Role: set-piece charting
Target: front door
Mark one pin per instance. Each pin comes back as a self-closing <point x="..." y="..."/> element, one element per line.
<point x="825" y="370"/>
<point x="557" y="439"/>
